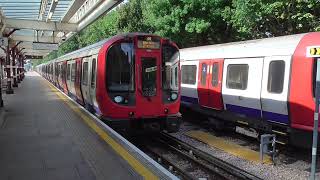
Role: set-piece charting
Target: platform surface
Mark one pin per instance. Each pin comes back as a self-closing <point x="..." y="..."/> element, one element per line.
<point x="41" y="137"/>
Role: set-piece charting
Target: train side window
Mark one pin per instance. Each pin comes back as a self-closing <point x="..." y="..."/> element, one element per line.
<point x="176" y="76"/>
<point x="68" y="71"/>
<point x="188" y="73"/>
<point x="73" y="72"/>
<point x="215" y="74"/>
<point x="85" y="74"/>
<point x="93" y="74"/>
<point x="237" y="76"/>
<point x="276" y="76"/>
<point x="204" y="69"/>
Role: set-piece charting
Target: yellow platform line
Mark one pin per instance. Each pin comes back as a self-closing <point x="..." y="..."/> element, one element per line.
<point x="228" y="147"/>
<point x="134" y="163"/>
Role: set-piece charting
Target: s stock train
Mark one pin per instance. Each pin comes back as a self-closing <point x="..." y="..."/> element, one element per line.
<point x="254" y="87"/>
<point x="130" y="80"/>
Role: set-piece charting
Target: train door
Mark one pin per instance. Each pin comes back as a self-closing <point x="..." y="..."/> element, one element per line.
<point x="274" y="93"/>
<point x="93" y="81"/>
<point x="69" y="83"/>
<point x="203" y="87"/>
<point x="215" y="84"/>
<point x="148" y="83"/>
<point x="64" y="80"/>
<point x="209" y="84"/>
<point x="85" y="87"/>
<point x="71" y="86"/>
<point x="78" y="80"/>
<point x="241" y="87"/>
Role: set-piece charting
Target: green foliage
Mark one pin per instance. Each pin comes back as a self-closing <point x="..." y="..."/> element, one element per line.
<point x="200" y="22"/>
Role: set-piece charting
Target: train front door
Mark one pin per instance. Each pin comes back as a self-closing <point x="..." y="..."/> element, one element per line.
<point x="148" y="83"/>
<point x="210" y="83"/>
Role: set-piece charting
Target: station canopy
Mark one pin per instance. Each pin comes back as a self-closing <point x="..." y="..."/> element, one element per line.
<point x="39" y="26"/>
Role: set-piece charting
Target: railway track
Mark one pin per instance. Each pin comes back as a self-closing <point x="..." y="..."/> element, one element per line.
<point x="191" y="163"/>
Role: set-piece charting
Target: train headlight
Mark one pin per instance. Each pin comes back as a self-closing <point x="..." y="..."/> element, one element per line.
<point x="174" y="96"/>
<point x="118" y="99"/>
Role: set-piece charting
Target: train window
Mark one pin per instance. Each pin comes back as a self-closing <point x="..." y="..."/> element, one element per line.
<point x="276" y="76"/>
<point x="189" y="74"/>
<point x="237" y="76"/>
<point x="73" y="72"/>
<point x="204" y="69"/>
<point x="93" y="73"/>
<point x="215" y="74"/>
<point x="170" y="60"/>
<point x="176" y="75"/>
<point x="120" y="67"/>
<point x="68" y="71"/>
<point x="85" y="74"/>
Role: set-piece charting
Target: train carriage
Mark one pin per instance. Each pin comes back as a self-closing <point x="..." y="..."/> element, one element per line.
<point x="258" y="86"/>
<point x="130" y="80"/>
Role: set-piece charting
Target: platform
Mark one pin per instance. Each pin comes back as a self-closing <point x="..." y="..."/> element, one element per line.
<point x="44" y="135"/>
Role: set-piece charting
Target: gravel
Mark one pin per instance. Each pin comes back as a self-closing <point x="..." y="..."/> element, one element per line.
<point x="288" y="165"/>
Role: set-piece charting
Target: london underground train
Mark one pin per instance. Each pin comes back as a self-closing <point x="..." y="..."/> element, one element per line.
<point x="254" y="87"/>
<point x="130" y="80"/>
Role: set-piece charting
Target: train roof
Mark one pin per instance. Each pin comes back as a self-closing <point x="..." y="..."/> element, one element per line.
<point x="283" y="45"/>
<point x="94" y="48"/>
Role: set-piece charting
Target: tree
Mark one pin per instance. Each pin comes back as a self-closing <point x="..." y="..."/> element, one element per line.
<point x="189" y="22"/>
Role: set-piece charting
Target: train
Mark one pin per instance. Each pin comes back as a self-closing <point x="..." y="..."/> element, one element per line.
<point x="131" y="81"/>
<point x="263" y="86"/>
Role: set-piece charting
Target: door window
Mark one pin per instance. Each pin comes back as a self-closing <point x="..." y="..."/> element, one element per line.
<point x="204" y="68"/>
<point x="68" y="71"/>
<point x="215" y="75"/>
<point x="189" y="74"/>
<point x="149" y="76"/>
<point x="276" y="76"/>
<point x="237" y="76"/>
<point x="85" y="74"/>
<point x="73" y="72"/>
<point x="93" y="74"/>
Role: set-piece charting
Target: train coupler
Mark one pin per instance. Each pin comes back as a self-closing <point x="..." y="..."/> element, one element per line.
<point x="173" y="123"/>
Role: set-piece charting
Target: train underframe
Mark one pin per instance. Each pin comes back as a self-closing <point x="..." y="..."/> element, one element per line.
<point x="170" y="123"/>
<point x="285" y="135"/>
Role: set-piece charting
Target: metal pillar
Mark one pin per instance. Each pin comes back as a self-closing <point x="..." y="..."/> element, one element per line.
<point x="315" y="124"/>
<point x="9" y="89"/>
<point x="1" y="77"/>
<point x="14" y="68"/>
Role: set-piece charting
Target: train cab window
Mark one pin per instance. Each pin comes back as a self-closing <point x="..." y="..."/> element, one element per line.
<point x="237" y="76"/>
<point x="215" y="74"/>
<point x="73" y="72"/>
<point x="204" y="69"/>
<point x="85" y="74"/>
<point x="276" y="76"/>
<point x="120" y="68"/>
<point x="189" y="74"/>
<point x="93" y="73"/>
<point x="68" y="71"/>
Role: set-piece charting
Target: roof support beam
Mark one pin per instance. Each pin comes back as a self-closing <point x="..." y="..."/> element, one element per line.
<point x="33" y="38"/>
<point x="101" y="9"/>
<point x="40" y="25"/>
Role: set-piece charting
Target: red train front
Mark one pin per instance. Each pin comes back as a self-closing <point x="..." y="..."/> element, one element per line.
<point x="129" y="80"/>
<point x="138" y="81"/>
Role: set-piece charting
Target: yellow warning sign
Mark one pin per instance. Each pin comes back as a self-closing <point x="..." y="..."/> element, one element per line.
<point x="313" y="51"/>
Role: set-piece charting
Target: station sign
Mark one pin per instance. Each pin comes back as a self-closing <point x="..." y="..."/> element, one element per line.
<point x="313" y="51"/>
<point x="33" y="57"/>
<point x="45" y="46"/>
